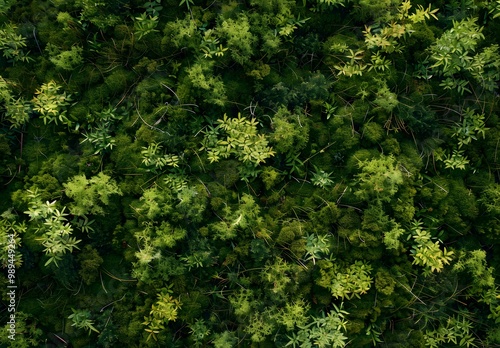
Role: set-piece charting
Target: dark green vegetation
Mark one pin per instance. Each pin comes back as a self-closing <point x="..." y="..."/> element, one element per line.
<point x="262" y="173"/>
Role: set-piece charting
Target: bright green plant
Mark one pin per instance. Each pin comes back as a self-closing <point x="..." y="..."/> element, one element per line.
<point x="81" y="320"/>
<point x="53" y="226"/>
<point x="198" y="259"/>
<point x="345" y="282"/>
<point x="270" y="177"/>
<point x="485" y="67"/>
<point x="201" y="76"/>
<point x="243" y="302"/>
<point x="147" y="251"/>
<point x="460" y="85"/>
<point x="192" y="201"/>
<point x="279" y="274"/>
<point x="153" y="158"/>
<point x="66" y="60"/>
<point x="384" y="38"/>
<point x="288" y="25"/>
<point x="454" y="54"/>
<point x="5" y="5"/>
<point x="330" y="109"/>
<point x="379" y="178"/>
<point x="5" y="92"/>
<point x="426" y="251"/>
<point x="494" y="8"/>
<point x="321" y="178"/>
<point x="227" y="339"/>
<point x="100" y="138"/>
<point x="51" y="105"/>
<point x="18" y="111"/>
<point x="237" y="137"/>
<point x="317" y="247"/>
<point x="353" y="66"/>
<point x="153" y="238"/>
<point x="294" y="314"/>
<point x="99" y="133"/>
<point x="261" y="325"/>
<point x="457" y="330"/>
<point x="471" y="127"/>
<point x="12" y="44"/>
<point x="246" y="217"/>
<point x="144" y="25"/>
<point x="483" y="284"/>
<point x="184" y="32"/>
<point x="290" y="134"/>
<point x="57" y="238"/>
<point x="239" y="37"/>
<point x="392" y="237"/>
<point x="248" y="172"/>
<point x="490" y="199"/>
<point x="451" y="49"/>
<point x="163" y="311"/>
<point x="65" y="19"/>
<point x="385" y="99"/>
<point x="456" y="160"/>
<point x="176" y="182"/>
<point x="323" y="331"/>
<point x="387" y="38"/>
<point x="155" y="204"/>
<point x="379" y="62"/>
<point x="28" y="332"/>
<point x="199" y="332"/>
<point x="89" y="195"/>
<point x="211" y="45"/>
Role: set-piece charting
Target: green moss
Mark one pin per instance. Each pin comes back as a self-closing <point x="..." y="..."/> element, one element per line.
<point x="270" y="177"/>
<point x="391" y="146"/>
<point x="237" y="253"/>
<point x="289" y="232"/>
<point x="352" y="164"/>
<point x="373" y="132"/>
<point x="345" y="138"/>
<point x="119" y="80"/>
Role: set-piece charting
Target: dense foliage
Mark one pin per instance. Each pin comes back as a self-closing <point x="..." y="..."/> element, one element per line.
<point x="261" y="173"/>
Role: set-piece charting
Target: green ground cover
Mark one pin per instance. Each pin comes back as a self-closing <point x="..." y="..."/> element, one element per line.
<point x="262" y="173"/>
